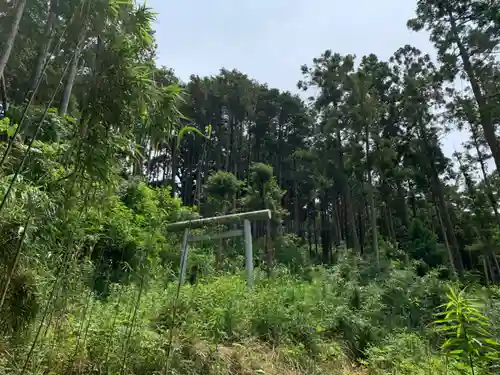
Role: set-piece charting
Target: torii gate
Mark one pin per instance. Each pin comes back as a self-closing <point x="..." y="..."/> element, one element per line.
<point x="246" y="232"/>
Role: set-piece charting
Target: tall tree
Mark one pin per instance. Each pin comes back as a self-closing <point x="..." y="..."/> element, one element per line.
<point x="466" y="36"/>
<point x="11" y="36"/>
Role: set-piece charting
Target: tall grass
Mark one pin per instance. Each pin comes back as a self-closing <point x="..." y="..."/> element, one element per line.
<point x="305" y="326"/>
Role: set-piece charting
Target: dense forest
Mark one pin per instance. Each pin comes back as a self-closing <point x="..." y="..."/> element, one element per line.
<point x="382" y="253"/>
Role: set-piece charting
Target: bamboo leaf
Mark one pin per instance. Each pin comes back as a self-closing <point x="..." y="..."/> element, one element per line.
<point x="186" y="130"/>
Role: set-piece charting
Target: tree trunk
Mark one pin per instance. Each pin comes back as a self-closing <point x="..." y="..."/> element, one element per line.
<point x="249" y="151"/>
<point x="296" y="208"/>
<point x="236" y="151"/>
<point x="351" y="221"/>
<point x="371" y="202"/>
<point x="361" y="230"/>
<point x="438" y="194"/>
<point x="325" y="230"/>
<point x="48" y="37"/>
<point x="402" y="207"/>
<point x="174" y="167"/>
<point x="68" y="87"/>
<point x="495" y="261"/>
<point x="492" y="272"/>
<point x="445" y="218"/>
<point x="149" y="163"/>
<point x="413" y="203"/>
<point x="139" y="161"/>
<point x="342" y="219"/>
<point x="336" y="222"/>
<point x="385" y="229"/>
<point x="485" y="270"/>
<point x="9" y="40"/>
<point x="391" y="225"/>
<point x="309" y="239"/>
<point x="229" y="144"/>
<point x="315" y="233"/>
<point x="489" y="190"/>
<point x="3" y="93"/>
<point x="346" y="190"/>
<point x="165" y="166"/>
<point x="451" y="259"/>
<point x="201" y="166"/>
<point x="188" y="179"/>
<point x="279" y="154"/>
<point x="484" y="111"/>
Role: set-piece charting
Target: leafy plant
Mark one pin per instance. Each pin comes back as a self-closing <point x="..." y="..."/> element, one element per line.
<point x="466" y="330"/>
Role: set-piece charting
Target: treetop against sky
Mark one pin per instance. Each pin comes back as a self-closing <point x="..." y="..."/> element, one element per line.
<point x="270" y="40"/>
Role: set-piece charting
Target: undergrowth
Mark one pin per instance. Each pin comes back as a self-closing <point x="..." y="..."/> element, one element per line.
<point x="93" y="291"/>
<point x="329" y="324"/>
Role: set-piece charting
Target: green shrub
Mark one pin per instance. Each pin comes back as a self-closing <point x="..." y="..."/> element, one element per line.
<point x="402" y="353"/>
<point x="21" y="305"/>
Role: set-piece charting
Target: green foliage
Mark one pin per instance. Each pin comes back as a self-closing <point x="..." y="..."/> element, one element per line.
<point x="53" y="127"/>
<point x="289" y="253"/>
<point x="129" y="235"/>
<point x="223" y="184"/>
<point x="466" y="329"/>
<point x="313" y="321"/>
<point x="222" y="189"/>
<point x="409" y="353"/>
<point x="260" y="174"/>
<point x="21" y="306"/>
<point x="264" y="191"/>
<point x="6" y="127"/>
<point x="422" y="244"/>
<point x="89" y="278"/>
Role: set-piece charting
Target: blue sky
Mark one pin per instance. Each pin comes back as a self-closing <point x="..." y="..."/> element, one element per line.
<point x="270" y="39"/>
